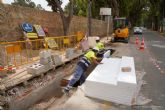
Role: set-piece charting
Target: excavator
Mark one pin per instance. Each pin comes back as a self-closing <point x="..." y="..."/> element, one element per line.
<point x="121" y="31"/>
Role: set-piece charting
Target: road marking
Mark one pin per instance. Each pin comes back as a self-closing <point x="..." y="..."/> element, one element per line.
<point x="159" y="46"/>
<point x="155" y="41"/>
<point x="156" y="63"/>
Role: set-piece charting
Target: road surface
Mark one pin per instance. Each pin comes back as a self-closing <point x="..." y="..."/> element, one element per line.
<point x="154" y="66"/>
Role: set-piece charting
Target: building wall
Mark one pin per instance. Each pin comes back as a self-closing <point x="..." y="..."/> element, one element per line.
<point x="11" y="17"/>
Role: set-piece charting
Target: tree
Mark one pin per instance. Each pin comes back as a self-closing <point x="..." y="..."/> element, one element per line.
<point x="26" y="3"/>
<point x="77" y="10"/>
<point x="66" y="18"/>
<point x="156" y="13"/>
<point x="131" y="9"/>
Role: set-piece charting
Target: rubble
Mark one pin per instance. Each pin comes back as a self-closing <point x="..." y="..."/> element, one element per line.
<point x="38" y="82"/>
<point x="142" y="100"/>
<point x="43" y="105"/>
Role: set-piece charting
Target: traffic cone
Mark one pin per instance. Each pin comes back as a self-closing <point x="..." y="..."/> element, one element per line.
<point x="137" y="40"/>
<point x="142" y="44"/>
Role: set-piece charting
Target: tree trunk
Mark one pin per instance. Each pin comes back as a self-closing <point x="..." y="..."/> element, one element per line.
<point x="64" y="23"/>
<point x="65" y="20"/>
<point x="116" y="7"/>
<point x="156" y="23"/>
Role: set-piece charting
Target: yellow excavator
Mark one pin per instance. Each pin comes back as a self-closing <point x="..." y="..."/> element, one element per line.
<point x="121" y="31"/>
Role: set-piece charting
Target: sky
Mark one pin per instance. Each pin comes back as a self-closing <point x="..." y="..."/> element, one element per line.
<point x="42" y="2"/>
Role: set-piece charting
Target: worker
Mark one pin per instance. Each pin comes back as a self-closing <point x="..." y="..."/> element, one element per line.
<point x="102" y="51"/>
<point x="101" y="48"/>
<point x="99" y="44"/>
<point x="82" y="65"/>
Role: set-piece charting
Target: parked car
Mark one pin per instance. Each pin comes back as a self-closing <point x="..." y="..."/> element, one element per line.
<point x="137" y="30"/>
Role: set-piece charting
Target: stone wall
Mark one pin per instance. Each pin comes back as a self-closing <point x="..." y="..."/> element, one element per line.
<point x="11" y="17"/>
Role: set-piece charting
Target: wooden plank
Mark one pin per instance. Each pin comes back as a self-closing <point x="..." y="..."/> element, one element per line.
<point x="13" y="75"/>
<point x="16" y="82"/>
<point x="16" y="77"/>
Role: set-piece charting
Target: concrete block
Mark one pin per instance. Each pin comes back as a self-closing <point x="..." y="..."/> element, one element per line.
<point x="48" y="66"/>
<point x="45" y="54"/>
<point x="36" y="68"/>
<point x="57" y="59"/>
<point x="70" y="52"/>
<point x="45" y="61"/>
<point x="110" y="83"/>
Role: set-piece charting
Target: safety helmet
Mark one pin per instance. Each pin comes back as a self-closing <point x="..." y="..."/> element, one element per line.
<point x="97" y="38"/>
<point x="95" y="49"/>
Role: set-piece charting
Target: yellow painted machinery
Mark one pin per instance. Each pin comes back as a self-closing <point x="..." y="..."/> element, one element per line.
<point x="121" y="31"/>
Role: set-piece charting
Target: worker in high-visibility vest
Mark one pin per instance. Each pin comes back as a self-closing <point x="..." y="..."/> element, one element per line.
<point x="99" y="44"/>
<point x="102" y="51"/>
<point x="82" y="65"/>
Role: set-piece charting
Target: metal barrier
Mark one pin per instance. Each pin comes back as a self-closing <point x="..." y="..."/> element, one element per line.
<point x="22" y="52"/>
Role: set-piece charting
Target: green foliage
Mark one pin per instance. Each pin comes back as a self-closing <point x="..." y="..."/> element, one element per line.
<point x="54" y="4"/>
<point x="139" y="12"/>
<point x="27" y="3"/>
<point x="132" y="9"/>
<point x="79" y="7"/>
<point x="156" y="13"/>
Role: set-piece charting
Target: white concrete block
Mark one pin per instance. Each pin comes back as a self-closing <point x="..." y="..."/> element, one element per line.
<point x="107" y="82"/>
<point x="45" y="54"/>
<point x="36" y="68"/>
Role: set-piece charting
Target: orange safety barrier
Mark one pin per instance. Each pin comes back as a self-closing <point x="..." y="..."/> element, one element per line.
<point x="80" y="36"/>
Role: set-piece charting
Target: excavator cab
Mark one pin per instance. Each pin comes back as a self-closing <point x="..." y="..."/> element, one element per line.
<point x="121" y="31"/>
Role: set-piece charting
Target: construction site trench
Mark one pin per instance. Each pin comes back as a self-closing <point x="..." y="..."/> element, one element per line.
<point x="42" y="87"/>
<point x="44" y="92"/>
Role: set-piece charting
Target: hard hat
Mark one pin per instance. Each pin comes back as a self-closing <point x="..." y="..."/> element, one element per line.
<point x="95" y="49"/>
<point x="97" y="38"/>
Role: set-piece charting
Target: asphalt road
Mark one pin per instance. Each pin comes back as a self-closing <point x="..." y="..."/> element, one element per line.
<point x="152" y="61"/>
